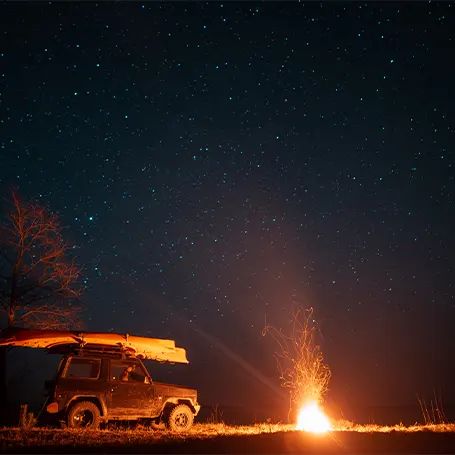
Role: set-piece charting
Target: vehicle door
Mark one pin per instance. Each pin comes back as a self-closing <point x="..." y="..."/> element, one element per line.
<point x="132" y="393"/>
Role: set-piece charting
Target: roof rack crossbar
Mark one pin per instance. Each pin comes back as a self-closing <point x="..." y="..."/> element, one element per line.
<point x="91" y="349"/>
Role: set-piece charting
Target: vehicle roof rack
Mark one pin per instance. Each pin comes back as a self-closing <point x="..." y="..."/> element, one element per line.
<point x="92" y="349"/>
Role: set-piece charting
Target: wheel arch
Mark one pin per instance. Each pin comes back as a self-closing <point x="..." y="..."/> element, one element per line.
<point x="92" y="398"/>
<point x="173" y="402"/>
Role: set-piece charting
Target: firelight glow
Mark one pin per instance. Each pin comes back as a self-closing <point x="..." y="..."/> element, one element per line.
<point x="312" y="419"/>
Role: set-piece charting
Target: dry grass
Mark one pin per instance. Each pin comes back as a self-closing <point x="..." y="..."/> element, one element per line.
<point x="51" y="437"/>
<point x="41" y="436"/>
<point x="13" y="438"/>
<point x="344" y="425"/>
<point x="207" y="429"/>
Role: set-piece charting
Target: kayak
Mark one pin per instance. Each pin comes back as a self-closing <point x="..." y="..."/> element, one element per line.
<point x="60" y="341"/>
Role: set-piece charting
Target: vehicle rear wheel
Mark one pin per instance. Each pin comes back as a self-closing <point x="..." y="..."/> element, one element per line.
<point x="180" y="418"/>
<point x="84" y="414"/>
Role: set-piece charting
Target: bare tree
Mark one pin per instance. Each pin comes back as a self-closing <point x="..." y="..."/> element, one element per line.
<point x="300" y="361"/>
<point x="38" y="280"/>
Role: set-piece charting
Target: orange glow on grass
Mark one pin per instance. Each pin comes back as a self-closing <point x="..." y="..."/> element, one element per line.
<point x="312" y="419"/>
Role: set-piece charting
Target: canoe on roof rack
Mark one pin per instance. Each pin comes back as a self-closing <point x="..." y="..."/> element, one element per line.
<point x="60" y="341"/>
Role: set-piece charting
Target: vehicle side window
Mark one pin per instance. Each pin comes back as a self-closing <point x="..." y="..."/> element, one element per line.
<point x="78" y="367"/>
<point x="60" y="367"/>
<point x="126" y="371"/>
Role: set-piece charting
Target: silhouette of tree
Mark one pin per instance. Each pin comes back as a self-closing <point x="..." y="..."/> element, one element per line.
<point x="38" y="280"/>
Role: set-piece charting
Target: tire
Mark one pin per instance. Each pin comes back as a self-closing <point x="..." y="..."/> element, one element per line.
<point x="180" y="418"/>
<point x="84" y="414"/>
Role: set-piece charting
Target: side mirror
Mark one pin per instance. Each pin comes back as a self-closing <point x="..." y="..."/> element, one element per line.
<point x="146" y="380"/>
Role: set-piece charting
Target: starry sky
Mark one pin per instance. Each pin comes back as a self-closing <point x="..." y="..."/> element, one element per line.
<point x="219" y="165"/>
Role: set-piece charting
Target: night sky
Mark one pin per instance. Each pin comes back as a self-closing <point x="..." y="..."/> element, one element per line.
<point x="218" y="165"/>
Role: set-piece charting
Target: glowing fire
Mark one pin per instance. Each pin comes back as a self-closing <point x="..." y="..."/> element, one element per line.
<point x="311" y="418"/>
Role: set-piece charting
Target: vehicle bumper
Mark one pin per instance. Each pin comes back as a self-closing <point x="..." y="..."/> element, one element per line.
<point x="197" y="408"/>
<point x="52" y="408"/>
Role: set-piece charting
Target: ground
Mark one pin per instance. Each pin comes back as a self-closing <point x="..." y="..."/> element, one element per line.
<point x="220" y="438"/>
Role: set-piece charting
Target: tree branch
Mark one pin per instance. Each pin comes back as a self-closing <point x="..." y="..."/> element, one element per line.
<point x="42" y="281"/>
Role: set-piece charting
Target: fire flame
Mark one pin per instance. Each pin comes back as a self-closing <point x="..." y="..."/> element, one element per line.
<point x="312" y="419"/>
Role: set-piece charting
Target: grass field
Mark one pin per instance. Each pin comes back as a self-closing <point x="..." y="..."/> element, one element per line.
<point x="220" y="438"/>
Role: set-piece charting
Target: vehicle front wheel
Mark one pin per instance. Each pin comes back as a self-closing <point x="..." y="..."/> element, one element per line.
<point x="84" y="414"/>
<point x="180" y="418"/>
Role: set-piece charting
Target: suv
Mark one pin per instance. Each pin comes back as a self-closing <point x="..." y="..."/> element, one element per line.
<point x="95" y="387"/>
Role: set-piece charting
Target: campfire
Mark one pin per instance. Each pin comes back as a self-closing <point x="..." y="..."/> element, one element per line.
<point x="312" y="419"/>
<point x="302" y="370"/>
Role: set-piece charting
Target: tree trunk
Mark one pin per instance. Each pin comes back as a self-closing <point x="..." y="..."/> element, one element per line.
<point x="3" y="391"/>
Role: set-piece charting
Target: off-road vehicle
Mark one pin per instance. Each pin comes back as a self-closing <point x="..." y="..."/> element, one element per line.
<point x="101" y="382"/>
